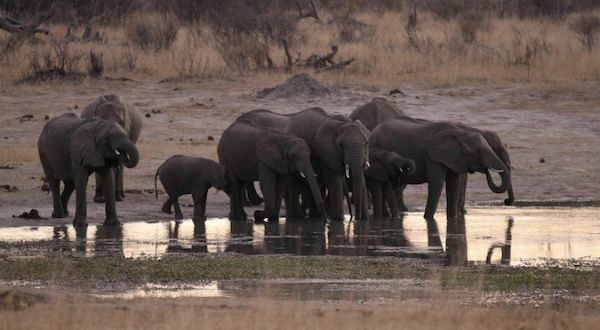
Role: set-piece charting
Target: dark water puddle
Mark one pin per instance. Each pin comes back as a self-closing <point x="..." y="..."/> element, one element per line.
<point x="537" y="236"/>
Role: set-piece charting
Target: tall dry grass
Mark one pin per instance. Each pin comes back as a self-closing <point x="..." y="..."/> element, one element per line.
<point x="439" y="51"/>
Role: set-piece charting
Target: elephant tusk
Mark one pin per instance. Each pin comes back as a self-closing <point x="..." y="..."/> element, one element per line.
<point x="347" y="171"/>
<point x="117" y="152"/>
<point x="367" y="165"/>
<point x="302" y="175"/>
<point x="401" y="171"/>
<point x="495" y="170"/>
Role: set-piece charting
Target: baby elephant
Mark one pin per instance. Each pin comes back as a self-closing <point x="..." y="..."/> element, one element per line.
<point x="182" y="175"/>
<point x="387" y="167"/>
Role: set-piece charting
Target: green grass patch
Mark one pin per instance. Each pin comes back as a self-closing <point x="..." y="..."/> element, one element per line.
<point x="106" y="270"/>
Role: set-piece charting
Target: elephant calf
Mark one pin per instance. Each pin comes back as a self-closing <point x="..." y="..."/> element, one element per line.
<point x="181" y="175"/>
<point x="71" y="149"/>
<point x="387" y="168"/>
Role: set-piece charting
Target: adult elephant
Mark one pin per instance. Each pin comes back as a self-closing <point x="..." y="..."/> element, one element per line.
<point x="387" y="168"/>
<point x="71" y="149"/>
<point x="252" y="152"/>
<point x="111" y="107"/>
<point x="377" y="111"/>
<point x="380" y="110"/>
<point x="339" y="148"/>
<point x="441" y="151"/>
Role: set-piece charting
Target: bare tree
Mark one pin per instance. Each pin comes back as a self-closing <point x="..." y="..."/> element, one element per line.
<point x="312" y="13"/>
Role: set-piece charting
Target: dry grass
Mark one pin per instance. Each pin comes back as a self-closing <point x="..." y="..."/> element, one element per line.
<point x="508" y="49"/>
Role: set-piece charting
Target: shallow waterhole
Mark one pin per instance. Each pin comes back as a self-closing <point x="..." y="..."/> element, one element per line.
<point x="538" y="236"/>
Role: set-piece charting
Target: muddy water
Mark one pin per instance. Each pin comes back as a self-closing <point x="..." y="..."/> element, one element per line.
<point x="533" y="236"/>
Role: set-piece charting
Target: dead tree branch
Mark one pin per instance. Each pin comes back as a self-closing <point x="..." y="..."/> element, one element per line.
<point x="312" y="13"/>
<point x="25" y="30"/>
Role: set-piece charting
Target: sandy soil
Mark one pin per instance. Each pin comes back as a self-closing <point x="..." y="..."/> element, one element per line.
<point x="552" y="132"/>
<point x="59" y="310"/>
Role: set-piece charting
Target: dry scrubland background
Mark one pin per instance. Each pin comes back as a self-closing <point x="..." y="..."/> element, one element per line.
<point x="481" y="40"/>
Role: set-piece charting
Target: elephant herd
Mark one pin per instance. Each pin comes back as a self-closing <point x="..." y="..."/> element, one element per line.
<point x="312" y="160"/>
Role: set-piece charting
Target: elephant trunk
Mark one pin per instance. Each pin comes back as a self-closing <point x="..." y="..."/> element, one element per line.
<point x="511" y="196"/>
<point x="128" y="153"/>
<point x="311" y="178"/>
<point x="358" y="187"/>
<point x="504" y="175"/>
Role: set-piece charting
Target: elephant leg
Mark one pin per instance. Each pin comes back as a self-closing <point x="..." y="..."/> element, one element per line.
<point x="253" y="198"/>
<point x="268" y="185"/>
<point x="58" y="211"/>
<point x="166" y="208"/>
<point x="245" y="198"/>
<point x="435" y="179"/>
<point x="335" y="194"/>
<point x="99" y="194"/>
<point x="463" y="193"/>
<point x="199" y="195"/>
<point x="66" y="195"/>
<point x="293" y="208"/>
<point x="400" y="197"/>
<point x="375" y="188"/>
<point x="390" y="198"/>
<point x="236" y="208"/>
<point x="178" y="213"/>
<point x="453" y="191"/>
<point x="119" y="191"/>
<point x="81" y="181"/>
<point x="108" y="184"/>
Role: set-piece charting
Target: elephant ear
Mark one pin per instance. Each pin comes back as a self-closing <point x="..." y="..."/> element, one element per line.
<point x="326" y="145"/>
<point x="269" y="152"/>
<point x="446" y="148"/>
<point x="84" y="150"/>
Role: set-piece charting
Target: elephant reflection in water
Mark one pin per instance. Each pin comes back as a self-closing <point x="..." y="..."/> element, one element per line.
<point x="379" y="233"/>
<point x="504" y="248"/>
<point x="299" y="237"/>
<point x="108" y="241"/>
<point x="456" y="241"/>
<point x="198" y="241"/>
<point x="241" y="237"/>
<point x="60" y="239"/>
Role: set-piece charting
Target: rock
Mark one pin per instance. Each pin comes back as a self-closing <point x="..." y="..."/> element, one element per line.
<point x="210" y="138"/>
<point x="542" y="160"/>
<point x="148" y="115"/>
<point x="25" y="118"/>
<point x="46" y="117"/>
<point x="397" y="91"/>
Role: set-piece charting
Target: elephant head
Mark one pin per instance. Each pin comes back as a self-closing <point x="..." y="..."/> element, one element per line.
<point x="98" y="143"/>
<point x="496" y="144"/>
<point x="343" y="146"/>
<point x="285" y="153"/>
<point x="111" y="108"/>
<point x="386" y="165"/>
<point x="464" y="151"/>
<point x="218" y="178"/>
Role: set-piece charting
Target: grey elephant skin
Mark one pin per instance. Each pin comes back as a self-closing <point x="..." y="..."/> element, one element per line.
<point x="339" y="147"/>
<point x="181" y="175"/>
<point x="380" y="110"/>
<point x="111" y="107"/>
<point x="386" y="170"/>
<point x="442" y="152"/>
<point x="252" y="152"/>
<point x="71" y="149"/>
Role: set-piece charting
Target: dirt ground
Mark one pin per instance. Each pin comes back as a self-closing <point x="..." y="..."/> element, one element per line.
<point x="58" y="309"/>
<point x="552" y="132"/>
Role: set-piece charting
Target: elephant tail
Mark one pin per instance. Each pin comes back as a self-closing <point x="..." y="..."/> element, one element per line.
<point x="155" y="185"/>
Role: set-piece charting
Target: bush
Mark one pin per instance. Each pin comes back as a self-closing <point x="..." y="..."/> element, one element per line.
<point x="470" y="23"/>
<point x="152" y="33"/>
<point x="586" y="27"/>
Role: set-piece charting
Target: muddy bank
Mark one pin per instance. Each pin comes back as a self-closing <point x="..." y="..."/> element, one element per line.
<point x="548" y="130"/>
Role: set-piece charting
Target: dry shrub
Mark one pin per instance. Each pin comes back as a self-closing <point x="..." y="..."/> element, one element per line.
<point x="470" y="23"/>
<point x="586" y="27"/>
<point x="56" y="61"/>
<point x="152" y="33"/>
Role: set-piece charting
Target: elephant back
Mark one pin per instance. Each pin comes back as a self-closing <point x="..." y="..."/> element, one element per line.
<point x="132" y="117"/>
<point x="376" y="112"/>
